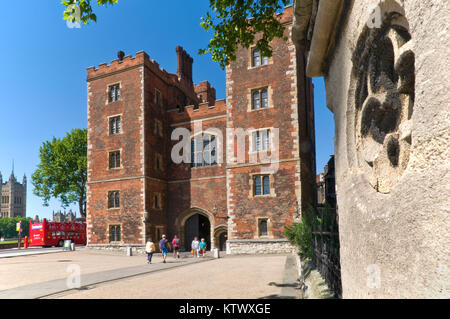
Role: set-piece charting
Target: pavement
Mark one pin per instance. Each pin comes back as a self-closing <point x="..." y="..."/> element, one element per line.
<point x="117" y="276"/>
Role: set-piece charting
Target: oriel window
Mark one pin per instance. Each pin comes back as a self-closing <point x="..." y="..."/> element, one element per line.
<point x="203" y="150"/>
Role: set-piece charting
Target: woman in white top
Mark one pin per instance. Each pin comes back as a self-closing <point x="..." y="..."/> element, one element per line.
<point x="195" y="246"/>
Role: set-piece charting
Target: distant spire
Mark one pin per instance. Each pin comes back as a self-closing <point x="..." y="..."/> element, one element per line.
<point x="12" y="177"/>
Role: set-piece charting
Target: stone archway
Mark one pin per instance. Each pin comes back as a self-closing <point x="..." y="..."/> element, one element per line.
<point x="220" y="237"/>
<point x="187" y="222"/>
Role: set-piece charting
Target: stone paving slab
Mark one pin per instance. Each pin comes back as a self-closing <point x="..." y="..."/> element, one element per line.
<point x="48" y="288"/>
<point x="118" y="276"/>
<point x="232" y="277"/>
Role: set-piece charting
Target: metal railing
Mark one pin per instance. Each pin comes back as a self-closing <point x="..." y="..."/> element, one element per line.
<point x="325" y="245"/>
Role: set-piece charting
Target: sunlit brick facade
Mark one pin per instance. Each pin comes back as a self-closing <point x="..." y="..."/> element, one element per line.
<point x="137" y="190"/>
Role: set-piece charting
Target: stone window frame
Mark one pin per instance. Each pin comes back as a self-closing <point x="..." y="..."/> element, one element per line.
<point x="158" y="128"/>
<point x="271" y="185"/>
<point x="157" y="101"/>
<point x="194" y="154"/>
<point x="108" y="234"/>
<point x="250" y="59"/>
<point x="158" y="159"/>
<point x="120" y="160"/>
<point x="110" y="118"/>
<point x="270" y="104"/>
<point x="251" y="150"/>
<point x="114" y="84"/>
<point x="160" y="201"/>
<point x="258" y="227"/>
<point x="107" y="200"/>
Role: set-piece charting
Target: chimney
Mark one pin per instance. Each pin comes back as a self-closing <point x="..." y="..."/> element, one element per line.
<point x="120" y="55"/>
<point x="184" y="65"/>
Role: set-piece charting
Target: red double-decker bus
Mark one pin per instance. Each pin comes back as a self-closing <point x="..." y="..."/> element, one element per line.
<point x="47" y="233"/>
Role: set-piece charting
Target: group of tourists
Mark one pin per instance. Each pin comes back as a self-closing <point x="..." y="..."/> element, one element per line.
<point x="198" y="248"/>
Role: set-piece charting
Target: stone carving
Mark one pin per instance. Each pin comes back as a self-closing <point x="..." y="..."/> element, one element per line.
<point x="381" y="99"/>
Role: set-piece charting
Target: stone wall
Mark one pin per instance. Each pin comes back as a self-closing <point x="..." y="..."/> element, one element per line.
<point x="259" y="246"/>
<point x="386" y="84"/>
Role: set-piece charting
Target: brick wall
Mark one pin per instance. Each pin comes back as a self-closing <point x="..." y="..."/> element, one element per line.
<point x="154" y="104"/>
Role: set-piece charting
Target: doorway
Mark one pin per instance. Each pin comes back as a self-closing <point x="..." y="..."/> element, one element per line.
<point x="197" y="226"/>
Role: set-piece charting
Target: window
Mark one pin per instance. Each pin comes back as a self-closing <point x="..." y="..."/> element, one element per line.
<point x="158" y="97"/>
<point x="157" y="201"/>
<point x="257" y="59"/>
<point x="114" y="199"/>
<point x="261" y="185"/>
<point x="114" y="233"/>
<point x="261" y="140"/>
<point x="260" y="99"/>
<point x="262" y="226"/>
<point x="114" y="93"/>
<point x="158" y="128"/>
<point x="159" y="162"/>
<point x="114" y="125"/>
<point x="114" y="159"/>
<point x="203" y="150"/>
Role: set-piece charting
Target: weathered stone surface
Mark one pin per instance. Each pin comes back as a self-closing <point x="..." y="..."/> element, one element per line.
<point x="392" y="150"/>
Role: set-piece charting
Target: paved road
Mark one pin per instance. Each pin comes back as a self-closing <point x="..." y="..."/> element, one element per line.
<point x="105" y="275"/>
<point x="15" y="252"/>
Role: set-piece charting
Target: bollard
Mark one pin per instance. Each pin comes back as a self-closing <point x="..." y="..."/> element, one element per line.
<point x="129" y="251"/>
<point x="216" y="253"/>
<point x="72" y="246"/>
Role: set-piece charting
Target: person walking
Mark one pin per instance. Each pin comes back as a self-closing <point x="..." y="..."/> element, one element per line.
<point x="195" y="246"/>
<point x="176" y="247"/>
<point x="203" y="247"/>
<point x="149" y="249"/>
<point x="163" y="247"/>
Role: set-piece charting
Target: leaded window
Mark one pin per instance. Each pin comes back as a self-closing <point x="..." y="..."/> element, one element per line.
<point x="203" y="150"/>
<point x="114" y="199"/>
<point x="114" y="93"/>
<point x="261" y="140"/>
<point x="115" y="125"/>
<point x="261" y="185"/>
<point x="260" y="99"/>
<point x="114" y="233"/>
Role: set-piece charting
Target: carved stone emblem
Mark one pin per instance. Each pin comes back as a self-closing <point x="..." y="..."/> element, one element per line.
<point x="382" y="100"/>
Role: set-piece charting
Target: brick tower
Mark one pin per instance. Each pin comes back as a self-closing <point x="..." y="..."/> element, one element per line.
<point x="138" y="115"/>
<point x="272" y="100"/>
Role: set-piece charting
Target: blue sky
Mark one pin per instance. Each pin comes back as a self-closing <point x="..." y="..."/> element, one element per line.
<point x="43" y="71"/>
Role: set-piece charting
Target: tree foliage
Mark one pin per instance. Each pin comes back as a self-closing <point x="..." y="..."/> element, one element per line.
<point x="232" y="23"/>
<point x="62" y="171"/>
<point x="300" y="234"/>
<point x="8" y="227"/>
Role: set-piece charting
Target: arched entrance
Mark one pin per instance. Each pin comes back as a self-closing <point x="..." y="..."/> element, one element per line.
<point x="198" y="226"/>
<point x="220" y="237"/>
<point x="195" y="222"/>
